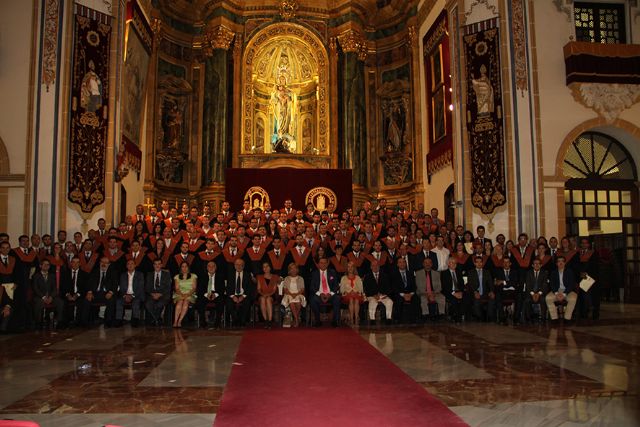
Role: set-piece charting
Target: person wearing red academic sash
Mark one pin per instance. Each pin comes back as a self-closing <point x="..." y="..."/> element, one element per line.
<point x="178" y="259"/>
<point x="277" y="256"/>
<point x="267" y="287"/>
<point x="254" y="255"/>
<point x="230" y="254"/>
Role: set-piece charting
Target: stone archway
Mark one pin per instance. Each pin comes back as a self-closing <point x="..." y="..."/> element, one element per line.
<point x="289" y="53"/>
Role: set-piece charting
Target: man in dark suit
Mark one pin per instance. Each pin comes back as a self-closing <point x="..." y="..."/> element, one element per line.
<point x="324" y="289"/>
<point x="102" y="288"/>
<point x="536" y="286"/>
<point x="406" y="301"/>
<point x="158" y="291"/>
<point x="480" y="235"/>
<point x="425" y="254"/>
<point x="130" y="291"/>
<point x="211" y="291"/>
<point x="74" y="286"/>
<point x="562" y="286"/>
<point x="480" y="285"/>
<point x="241" y="292"/>
<point x="378" y="290"/>
<point x="453" y="288"/>
<point x="507" y="287"/>
<point x="45" y="292"/>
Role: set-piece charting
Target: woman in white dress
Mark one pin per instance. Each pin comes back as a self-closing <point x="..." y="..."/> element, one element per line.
<point x="293" y="288"/>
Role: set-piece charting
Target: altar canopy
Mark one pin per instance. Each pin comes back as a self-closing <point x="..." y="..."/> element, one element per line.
<point x="319" y="186"/>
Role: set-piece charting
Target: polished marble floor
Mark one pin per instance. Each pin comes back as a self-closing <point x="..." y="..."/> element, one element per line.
<point x="490" y="375"/>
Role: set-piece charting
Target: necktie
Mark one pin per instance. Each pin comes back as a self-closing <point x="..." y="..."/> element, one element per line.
<point x="325" y="285"/>
<point x="429" y="288"/>
<point x="535" y="285"/>
<point x="310" y="243"/>
<point x="404" y="279"/>
<point x="210" y="284"/>
<point x="506" y="275"/>
<point x="277" y="252"/>
<point x="156" y="285"/>
<point x="376" y="276"/>
<point x="480" y="289"/>
<point x="233" y="252"/>
<point x="4" y="260"/>
<point x="26" y="251"/>
<point x="454" y="280"/>
<point x="73" y="279"/>
<point x="238" y="284"/>
<point x="300" y="250"/>
<point x="101" y="286"/>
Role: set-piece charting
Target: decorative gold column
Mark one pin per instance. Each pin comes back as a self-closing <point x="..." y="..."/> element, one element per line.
<point x="333" y="78"/>
<point x="418" y="151"/>
<point x="156" y="27"/>
<point x="237" y="100"/>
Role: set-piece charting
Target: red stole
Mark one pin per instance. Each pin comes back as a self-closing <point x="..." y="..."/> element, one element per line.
<point x="523" y="262"/>
<point x="7" y="270"/>
<point x="87" y="265"/>
<point x="383" y="258"/>
<point x="25" y="258"/>
<point x="206" y="258"/>
<point x="179" y="260"/>
<point x="586" y="257"/>
<point x="497" y="262"/>
<point x="300" y="259"/>
<point x="544" y="260"/>
<point x="226" y="252"/>
<point x="115" y="257"/>
<point x="193" y="248"/>
<point x="253" y="256"/>
<point x="242" y="245"/>
<point x="138" y="259"/>
<point x="568" y="256"/>
<point x="165" y="257"/>
<point x="357" y="262"/>
<point x="265" y="287"/>
<point x="339" y="265"/>
<point x="277" y="262"/>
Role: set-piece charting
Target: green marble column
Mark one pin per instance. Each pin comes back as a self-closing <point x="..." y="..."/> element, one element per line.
<point x="352" y="149"/>
<point x="216" y="133"/>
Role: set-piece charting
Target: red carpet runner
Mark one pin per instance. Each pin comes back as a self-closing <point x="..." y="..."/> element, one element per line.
<point x="326" y="377"/>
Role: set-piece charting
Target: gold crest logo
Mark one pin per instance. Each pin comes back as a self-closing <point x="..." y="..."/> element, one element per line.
<point x="321" y="198"/>
<point x="258" y="197"/>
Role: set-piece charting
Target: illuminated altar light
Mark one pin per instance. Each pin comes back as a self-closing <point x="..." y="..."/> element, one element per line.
<point x="450" y="107"/>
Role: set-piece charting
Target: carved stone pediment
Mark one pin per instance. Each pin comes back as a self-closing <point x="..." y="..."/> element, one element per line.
<point x="606" y="99"/>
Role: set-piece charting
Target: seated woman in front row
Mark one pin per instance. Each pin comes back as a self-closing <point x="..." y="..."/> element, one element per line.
<point x="293" y="288"/>
<point x="184" y="293"/>
<point x="267" y="287"/>
<point x="352" y="292"/>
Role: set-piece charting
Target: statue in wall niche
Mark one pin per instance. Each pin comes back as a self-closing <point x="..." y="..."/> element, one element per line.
<point x="282" y="103"/>
<point x="394" y="131"/>
<point x="484" y="92"/>
<point x="174" y="128"/>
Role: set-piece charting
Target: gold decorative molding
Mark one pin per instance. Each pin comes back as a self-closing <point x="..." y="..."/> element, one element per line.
<point x="412" y="35"/>
<point x="353" y="41"/>
<point x="425" y="9"/>
<point x="288" y="9"/>
<point x="218" y="37"/>
<point x="608" y="100"/>
<point x="237" y="44"/>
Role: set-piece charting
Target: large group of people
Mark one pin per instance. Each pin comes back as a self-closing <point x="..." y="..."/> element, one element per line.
<point x="379" y="263"/>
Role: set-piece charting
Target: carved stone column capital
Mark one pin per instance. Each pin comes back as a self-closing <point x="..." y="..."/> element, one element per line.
<point x="218" y="37"/>
<point x="353" y="41"/>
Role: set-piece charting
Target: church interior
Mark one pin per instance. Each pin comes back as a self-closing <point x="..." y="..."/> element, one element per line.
<point x="399" y="212"/>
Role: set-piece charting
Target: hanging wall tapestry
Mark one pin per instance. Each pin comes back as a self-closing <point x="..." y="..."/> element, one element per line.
<point x="89" y="108"/>
<point x="484" y="115"/>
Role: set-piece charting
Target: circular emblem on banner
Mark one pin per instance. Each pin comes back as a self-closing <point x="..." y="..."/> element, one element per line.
<point x="258" y="197"/>
<point x="321" y="198"/>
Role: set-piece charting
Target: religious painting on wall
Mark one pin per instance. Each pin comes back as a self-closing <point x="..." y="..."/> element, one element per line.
<point x="138" y="40"/>
<point x="136" y="65"/>
<point x="89" y="108"/>
<point x="394" y="96"/>
<point x="438" y="87"/>
<point x="172" y="135"/>
<point x="484" y="115"/>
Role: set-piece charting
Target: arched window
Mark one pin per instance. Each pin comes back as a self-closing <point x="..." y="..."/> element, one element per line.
<point x="601" y="191"/>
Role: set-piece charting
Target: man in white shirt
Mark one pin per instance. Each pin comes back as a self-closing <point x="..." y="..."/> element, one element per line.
<point x="442" y="253"/>
<point x="131" y="292"/>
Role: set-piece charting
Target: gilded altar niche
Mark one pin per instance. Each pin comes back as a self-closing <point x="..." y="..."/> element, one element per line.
<point x="285" y="106"/>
